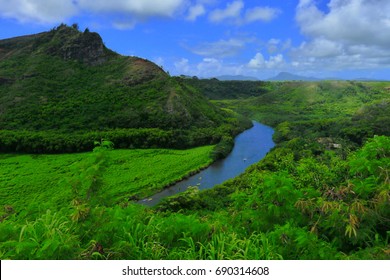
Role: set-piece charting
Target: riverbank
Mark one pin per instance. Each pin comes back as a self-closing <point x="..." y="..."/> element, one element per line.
<point x="249" y="147"/>
<point x="137" y="198"/>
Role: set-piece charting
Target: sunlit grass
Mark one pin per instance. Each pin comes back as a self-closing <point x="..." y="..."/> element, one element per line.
<point x="42" y="179"/>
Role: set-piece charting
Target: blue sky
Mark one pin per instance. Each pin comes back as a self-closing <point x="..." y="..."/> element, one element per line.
<point x="207" y="38"/>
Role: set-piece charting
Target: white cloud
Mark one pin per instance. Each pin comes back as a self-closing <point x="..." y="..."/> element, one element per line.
<point x="42" y="11"/>
<point x="353" y="21"/>
<point x="221" y="48"/>
<point x="128" y="11"/>
<point x="261" y="14"/>
<point x="274" y="62"/>
<point x="210" y="65"/>
<point x="196" y="11"/>
<point x="182" y="66"/>
<point x="352" y="34"/>
<point x="137" y="8"/>
<point x="320" y="47"/>
<point x="232" y="11"/>
<point x="257" y="62"/>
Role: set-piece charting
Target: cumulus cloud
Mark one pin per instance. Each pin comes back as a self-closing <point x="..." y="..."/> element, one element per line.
<point x="274" y="62"/>
<point x="354" y="21"/>
<point x="351" y="34"/>
<point x="234" y="12"/>
<point x="43" y="11"/>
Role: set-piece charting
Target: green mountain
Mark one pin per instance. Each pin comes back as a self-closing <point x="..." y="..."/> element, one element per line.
<point x="67" y="81"/>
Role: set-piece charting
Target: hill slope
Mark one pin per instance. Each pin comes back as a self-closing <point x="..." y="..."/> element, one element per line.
<point x="67" y="81"/>
<point x="226" y="89"/>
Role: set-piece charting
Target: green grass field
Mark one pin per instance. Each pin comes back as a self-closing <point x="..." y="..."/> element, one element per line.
<point x="44" y="180"/>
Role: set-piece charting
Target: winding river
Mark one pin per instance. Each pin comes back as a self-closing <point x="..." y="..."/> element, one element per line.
<point x="249" y="147"/>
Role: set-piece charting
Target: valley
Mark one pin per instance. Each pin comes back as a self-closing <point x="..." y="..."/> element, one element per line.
<point x="85" y="135"/>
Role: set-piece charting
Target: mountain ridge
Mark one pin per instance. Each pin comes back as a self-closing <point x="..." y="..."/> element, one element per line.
<point x="67" y="81"/>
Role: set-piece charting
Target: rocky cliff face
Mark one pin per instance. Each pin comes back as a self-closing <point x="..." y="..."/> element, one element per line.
<point x="88" y="48"/>
<point x="71" y="44"/>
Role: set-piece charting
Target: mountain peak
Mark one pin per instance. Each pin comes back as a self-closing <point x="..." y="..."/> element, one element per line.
<point x="286" y="76"/>
<point x="65" y="41"/>
<point x="71" y="44"/>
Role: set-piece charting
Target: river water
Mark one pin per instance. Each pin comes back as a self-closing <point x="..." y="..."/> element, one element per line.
<point x="249" y="147"/>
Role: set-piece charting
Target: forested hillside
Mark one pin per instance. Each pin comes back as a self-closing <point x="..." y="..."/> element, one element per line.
<point x="322" y="193"/>
<point x="61" y="90"/>
<point x="227" y="89"/>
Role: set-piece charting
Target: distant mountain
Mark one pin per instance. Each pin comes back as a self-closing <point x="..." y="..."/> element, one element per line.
<point x="366" y="80"/>
<point x="285" y="76"/>
<point x="236" y="78"/>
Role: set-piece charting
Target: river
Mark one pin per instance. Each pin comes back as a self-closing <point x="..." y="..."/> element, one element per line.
<point x="249" y="147"/>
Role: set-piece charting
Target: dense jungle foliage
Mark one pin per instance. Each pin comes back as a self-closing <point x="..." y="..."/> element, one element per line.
<point x="319" y="194"/>
<point x="322" y="193"/>
<point x="62" y="90"/>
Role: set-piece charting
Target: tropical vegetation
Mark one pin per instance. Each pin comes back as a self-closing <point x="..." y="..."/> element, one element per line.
<point x="322" y="193"/>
